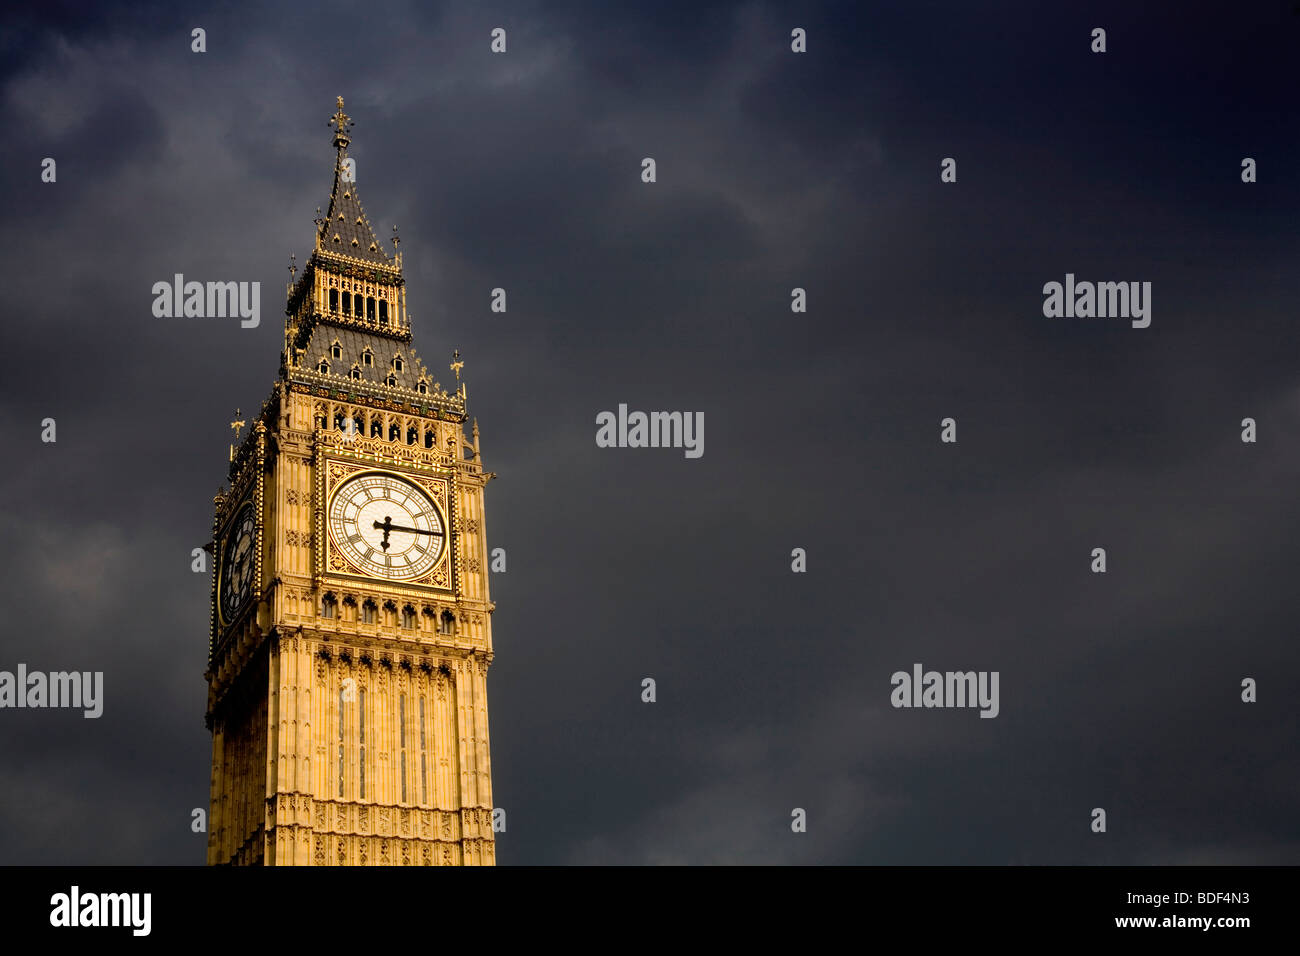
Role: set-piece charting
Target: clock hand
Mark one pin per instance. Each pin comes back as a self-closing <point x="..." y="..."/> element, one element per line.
<point x="388" y="526"/>
<point x="398" y="527"/>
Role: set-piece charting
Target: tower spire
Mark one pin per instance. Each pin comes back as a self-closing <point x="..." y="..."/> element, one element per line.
<point x="345" y="230"/>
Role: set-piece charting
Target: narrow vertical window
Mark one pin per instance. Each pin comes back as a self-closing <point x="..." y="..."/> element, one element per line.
<point x="361" y="739"/>
<point x="341" y="718"/>
<point x="424" y="782"/>
<point x="401" y="738"/>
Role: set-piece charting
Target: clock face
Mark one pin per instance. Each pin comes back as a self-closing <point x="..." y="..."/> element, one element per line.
<point x="237" y="564"/>
<point x="386" y="526"/>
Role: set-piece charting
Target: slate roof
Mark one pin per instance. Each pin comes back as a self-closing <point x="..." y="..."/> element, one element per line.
<point x="353" y="344"/>
<point x="347" y="220"/>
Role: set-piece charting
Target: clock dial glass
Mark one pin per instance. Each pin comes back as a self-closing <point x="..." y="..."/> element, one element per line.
<point x="237" y="564"/>
<point x="386" y="526"/>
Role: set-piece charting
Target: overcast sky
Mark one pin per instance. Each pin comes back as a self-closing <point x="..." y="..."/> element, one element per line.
<point x="775" y="170"/>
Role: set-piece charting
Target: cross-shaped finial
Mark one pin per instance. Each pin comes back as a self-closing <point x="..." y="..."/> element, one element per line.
<point x="235" y="426"/>
<point x="318" y="220"/>
<point x="341" y="121"/>
<point x="456" y="364"/>
<point x="396" y="237"/>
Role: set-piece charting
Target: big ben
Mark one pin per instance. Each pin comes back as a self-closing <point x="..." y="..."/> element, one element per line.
<point x="351" y="623"/>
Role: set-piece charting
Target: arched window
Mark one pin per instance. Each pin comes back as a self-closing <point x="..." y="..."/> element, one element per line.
<point x="370" y="307"/>
<point x="347" y="301"/>
<point x="397" y="363"/>
<point x="408" y="617"/>
<point x="428" y="439"/>
<point x="447" y="623"/>
<point x="334" y="300"/>
<point x="394" y="432"/>
<point x="329" y="606"/>
<point x="356" y="373"/>
<point x="368" y="612"/>
<point x="412" y="436"/>
<point x="376" y="428"/>
<point x="324" y="367"/>
<point x="391" y="380"/>
<point x="361" y="305"/>
<point x="336" y="350"/>
<point x="383" y="312"/>
<point x="367" y="357"/>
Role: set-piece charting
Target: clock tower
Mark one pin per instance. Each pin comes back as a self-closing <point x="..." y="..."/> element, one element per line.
<point x="351" y="625"/>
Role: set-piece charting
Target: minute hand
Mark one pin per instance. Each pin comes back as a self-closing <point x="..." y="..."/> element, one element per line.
<point x="388" y="526"/>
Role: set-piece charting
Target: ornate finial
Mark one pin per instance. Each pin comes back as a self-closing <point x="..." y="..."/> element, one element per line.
<point x="318" y="220"/>
<point x="341" y="122"/>
<point x="456" y="364"/>
<point x="396" y="238"/>
<point x="235" y="426"/>
<point x="293" y="271"/>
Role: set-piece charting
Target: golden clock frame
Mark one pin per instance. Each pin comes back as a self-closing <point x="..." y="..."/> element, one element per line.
<point x="332" y="472"/>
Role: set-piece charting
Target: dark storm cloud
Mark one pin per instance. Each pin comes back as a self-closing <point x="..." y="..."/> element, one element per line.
<point x="821" y="431"/>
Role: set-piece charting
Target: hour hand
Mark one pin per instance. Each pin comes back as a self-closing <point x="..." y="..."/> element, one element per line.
<point x="386" y="527"/>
